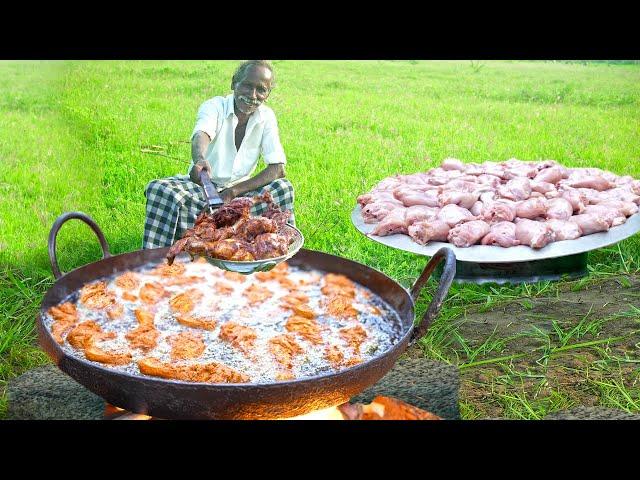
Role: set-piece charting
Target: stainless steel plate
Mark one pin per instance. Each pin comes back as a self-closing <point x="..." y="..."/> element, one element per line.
<point x="264" y="265"/>
<point x="493" y="254"/>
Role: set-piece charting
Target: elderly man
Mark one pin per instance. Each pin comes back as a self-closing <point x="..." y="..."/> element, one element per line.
<point x="229" y="135"/>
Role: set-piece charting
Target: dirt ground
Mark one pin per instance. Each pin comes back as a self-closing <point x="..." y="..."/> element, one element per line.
<point x="546" y="379"/>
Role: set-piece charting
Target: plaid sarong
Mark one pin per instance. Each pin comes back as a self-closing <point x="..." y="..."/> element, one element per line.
<point x="173" y="204"/>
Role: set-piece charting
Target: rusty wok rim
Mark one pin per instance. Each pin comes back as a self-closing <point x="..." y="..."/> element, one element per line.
<point x="376" y="367"/>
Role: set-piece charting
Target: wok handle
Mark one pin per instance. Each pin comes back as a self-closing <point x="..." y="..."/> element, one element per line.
<point x="53" y="234"/>
<point x="446" y="279"/>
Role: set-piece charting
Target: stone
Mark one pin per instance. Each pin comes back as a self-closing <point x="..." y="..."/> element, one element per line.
<point x="46" y="393"/>
<point x="427" y="384"/>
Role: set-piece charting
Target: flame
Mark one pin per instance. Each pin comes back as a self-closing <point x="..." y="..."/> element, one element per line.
<point x="331" y="413"/>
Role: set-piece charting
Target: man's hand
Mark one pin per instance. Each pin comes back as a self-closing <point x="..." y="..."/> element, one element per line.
<point x="227" y="195"/>
<point x="194" y="173"/>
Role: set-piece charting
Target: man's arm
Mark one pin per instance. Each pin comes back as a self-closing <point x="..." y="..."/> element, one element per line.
<point x="265" y="177"/>
<point x="199" y="144"/>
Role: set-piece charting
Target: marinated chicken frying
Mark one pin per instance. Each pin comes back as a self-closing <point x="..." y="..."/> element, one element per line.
<point x="284" y="348"/>
<point x="197" y="322"/>
<point x="240" y="336"/>
<point x="152" y="292"/>
<point x="96" y="296"/>
<point x="212" y="372"/>
<point x="337" y="284"/>
<point x="231" y="234"/>
<point x="307" y="328"/>
<point x="334" y="355"/>
<point x="340" y="306"/>
<point x="186" y="345"/>
<point x="186" y="301"/>
<point x="128" y="281"/>
<point x="83" y="332"/>
<point x="64" y="316"/>
<point x="354" y="336"/>
<point x="97" y="354"/>
<point x="257" y="294"/>
<point x="143" y="337"/>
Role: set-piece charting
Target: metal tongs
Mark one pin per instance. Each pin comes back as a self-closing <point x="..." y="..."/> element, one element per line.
<point x="210" y="193"/>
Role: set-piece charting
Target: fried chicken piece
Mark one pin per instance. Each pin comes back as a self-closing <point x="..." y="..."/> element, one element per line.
<point x="128" y="281"/>
<point x="270" y="245"/>
<point x="257" y="294"/>
<point x="212" y="372"/>
<point x="239" y="336"/>
<point x="354" y="336"/>
<point x="65" y="316"/>
<point x="249" y="228"/>
<point x="186" y="301"/>
<point x="152" y="292"/>
<point x="334" y="355"/>
<point x="197" y="322"/>
<point x="186" y="345"/>
<point x="306" y="327"/>
<point x="232" y="249"/>
<point x="284" y="348"/>
<point x="340" y="306"/>
<point x="82" y="332"/>
<point x="97" y="354"/>
<point x="96" y="297"/>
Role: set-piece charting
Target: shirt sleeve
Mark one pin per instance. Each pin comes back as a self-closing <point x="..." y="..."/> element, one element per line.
<point x="271" y="147"/>
<point x="207" y="119"/>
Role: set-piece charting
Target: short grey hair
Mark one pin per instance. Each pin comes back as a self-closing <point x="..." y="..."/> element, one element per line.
<point x="242" y="68"/>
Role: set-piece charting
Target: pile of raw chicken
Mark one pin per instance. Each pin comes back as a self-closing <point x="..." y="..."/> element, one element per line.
<point x="230" y="233"/>
<point x="505" y="204"/>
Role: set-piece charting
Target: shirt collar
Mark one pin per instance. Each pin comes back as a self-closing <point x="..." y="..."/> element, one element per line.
<point x="256" y="117"/>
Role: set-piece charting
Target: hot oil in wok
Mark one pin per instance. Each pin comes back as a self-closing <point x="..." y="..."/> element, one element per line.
<point x="268" y="318"/>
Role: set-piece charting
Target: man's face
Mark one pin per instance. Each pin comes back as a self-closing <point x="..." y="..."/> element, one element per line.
<point x="249" y="92"/>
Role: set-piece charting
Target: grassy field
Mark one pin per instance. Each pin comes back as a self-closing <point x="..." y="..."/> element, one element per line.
<point x="78" y="135"/>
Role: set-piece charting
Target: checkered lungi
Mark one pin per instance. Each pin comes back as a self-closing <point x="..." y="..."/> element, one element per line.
<point x="173" y="204"/>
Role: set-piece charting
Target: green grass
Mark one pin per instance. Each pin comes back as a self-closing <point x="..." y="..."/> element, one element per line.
<point x="89" y="136"/>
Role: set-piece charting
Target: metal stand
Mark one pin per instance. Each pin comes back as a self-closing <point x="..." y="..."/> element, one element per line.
<point x="567" y="267"/>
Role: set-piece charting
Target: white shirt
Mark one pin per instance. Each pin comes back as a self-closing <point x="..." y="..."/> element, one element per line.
<point x="216" y="117"/>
